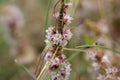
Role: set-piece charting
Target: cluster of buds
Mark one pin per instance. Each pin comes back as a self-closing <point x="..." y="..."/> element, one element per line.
<point x="101" y="63"/>
<point x="66" y="17"/>
<point x="59" y="67"/>
<point x="55" y="39"/>
<point x="110" y="74"/>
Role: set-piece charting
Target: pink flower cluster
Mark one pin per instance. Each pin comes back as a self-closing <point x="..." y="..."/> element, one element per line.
<point x="100" y="62"/>
<point x="54" y="39"/>
<point x="63" y="73"/>
<point x="59" y="67"/>
<point x="110" y="74"/>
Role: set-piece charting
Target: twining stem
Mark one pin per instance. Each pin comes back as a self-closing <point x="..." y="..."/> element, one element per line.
<point x="55" y="6"/>
<point x="61" y="24"/>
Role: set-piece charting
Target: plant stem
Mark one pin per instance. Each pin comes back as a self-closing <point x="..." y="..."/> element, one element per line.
<point x="61" y="24"/>
<point x="73" y="49"/>
<point x="40" y="63"/>
<point x="98" y="46"/>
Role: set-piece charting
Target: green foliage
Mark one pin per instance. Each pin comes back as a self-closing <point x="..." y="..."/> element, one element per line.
<point x="1" y="1"/>
<point x="87" y="39"/>
<point x="3" y="43"/>
<point x="7" y="68"/>
<point x="3" y="46"/>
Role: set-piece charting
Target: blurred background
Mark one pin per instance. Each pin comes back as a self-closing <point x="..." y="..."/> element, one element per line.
<point x="22" y="33"/>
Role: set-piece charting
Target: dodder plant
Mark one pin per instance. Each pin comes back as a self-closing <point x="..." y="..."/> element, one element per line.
<point x="53" y="64"/>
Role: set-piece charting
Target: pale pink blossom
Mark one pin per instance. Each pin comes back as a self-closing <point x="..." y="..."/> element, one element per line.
<point x="67" y="19"/>
<point x="112" y="70"/>
<point x="101" y="77"/>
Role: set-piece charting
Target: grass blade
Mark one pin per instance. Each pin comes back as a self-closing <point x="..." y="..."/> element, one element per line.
<point x="98" y="46"/>
<point x="27" y="70"/>
<point x="47" y="14"/>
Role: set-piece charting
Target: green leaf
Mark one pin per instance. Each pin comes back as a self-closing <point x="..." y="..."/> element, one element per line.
<point x="87" y="39"/>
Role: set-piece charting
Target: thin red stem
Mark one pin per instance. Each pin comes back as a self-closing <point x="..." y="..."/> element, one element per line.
<point x="54" y="8"/>
<point x="54" y="12"/>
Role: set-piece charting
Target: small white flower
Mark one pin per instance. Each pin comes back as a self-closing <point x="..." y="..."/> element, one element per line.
<point x="67" y="19"/>
<point x="68" y="4"/>
<point x="105" y="59"/>
<point x="63" y="73"/>
<point x="112" y="70"/>
<point x="57" y="39"/>
<point x="96" y="66"/>
<point x="56" y="61"/>
<point x="53" y="37"/>
<point x="67" y="34"/>
<point x="46" y="41"/>
<point x="110" y="77"/>
<point x="101" y="77"/>
<point x="48" y="56"/>
<point x="91" y="55"/>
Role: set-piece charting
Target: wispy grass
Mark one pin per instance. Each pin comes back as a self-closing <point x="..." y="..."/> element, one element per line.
<point x="47" y="14"/>
<point x="26" y="69"/>
<point x="98" y="46"/>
